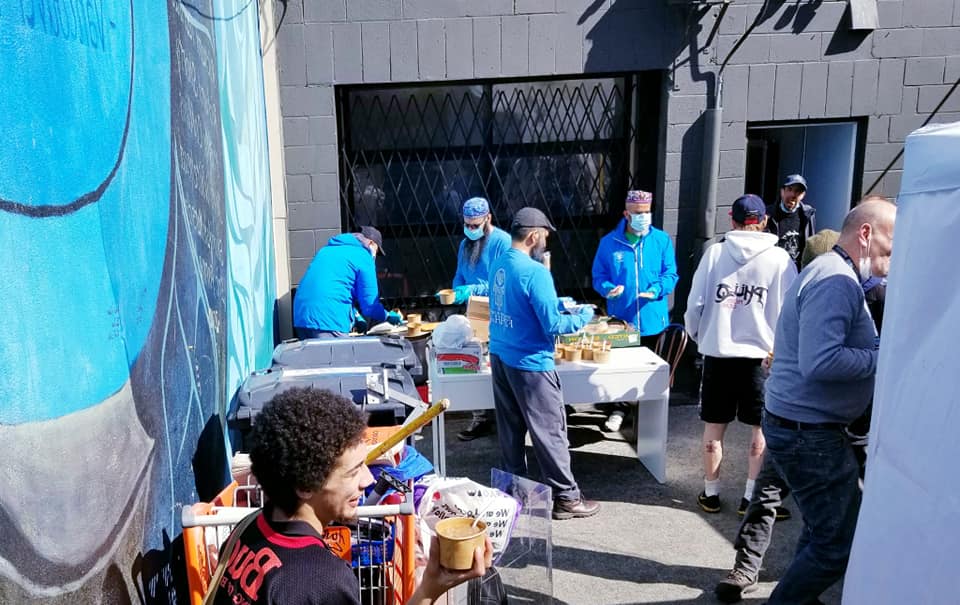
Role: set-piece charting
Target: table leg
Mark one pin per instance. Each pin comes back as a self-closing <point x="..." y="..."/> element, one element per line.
<point x="439" y="446"/>
<point x="652" y="435"/>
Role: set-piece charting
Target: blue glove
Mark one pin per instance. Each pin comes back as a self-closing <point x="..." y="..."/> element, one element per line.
<point x="462" y="294"/>
<point x="564" y="303"/>
<point x="359" y="323"/>
<point x="586" y="312"/>
<point x="395" y="318"/>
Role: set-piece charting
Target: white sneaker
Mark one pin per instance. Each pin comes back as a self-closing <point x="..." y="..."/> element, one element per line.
<point x="614" y="422"/>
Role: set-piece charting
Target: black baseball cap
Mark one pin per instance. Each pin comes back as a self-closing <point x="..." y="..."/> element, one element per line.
<point x="531" y="218"/>
<point x="373" y="234"/>
<point x="795" y="179"/>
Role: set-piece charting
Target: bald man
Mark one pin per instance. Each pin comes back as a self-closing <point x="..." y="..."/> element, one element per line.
<point x="821" y="381"/>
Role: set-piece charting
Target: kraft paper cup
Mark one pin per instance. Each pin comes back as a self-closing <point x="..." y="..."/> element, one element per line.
<point x="414" y="329"/>
<point x="573" y="354"/>
<point x="447" y="296"/>
<point x="414" y="318"/>
<point x="587" y="354"/>
<point x="458" y="541"/>
<point x="601" y="356"/>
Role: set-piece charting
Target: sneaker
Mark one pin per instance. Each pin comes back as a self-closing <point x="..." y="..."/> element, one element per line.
<point x="783" y="513"/>
<point x="477" y="428"/>
<point x="614" y="422"/>
<point x="709" y="504"/>
<point x="575" y="510"/>
<point x="732" y="588"/>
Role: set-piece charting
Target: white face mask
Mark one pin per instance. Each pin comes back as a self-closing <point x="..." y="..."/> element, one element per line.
<point x="866" y="265"/>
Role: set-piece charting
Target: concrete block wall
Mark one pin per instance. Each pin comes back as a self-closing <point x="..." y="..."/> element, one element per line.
<point x="801" y="62"/>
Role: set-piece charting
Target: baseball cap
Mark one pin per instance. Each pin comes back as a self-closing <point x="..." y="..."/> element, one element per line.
<point x="795" y="179"/>
<point x="748" y="209"/>
<point x="531" y="217"/>
<point x="476" y="207"/>
<point x="373" y="234"/>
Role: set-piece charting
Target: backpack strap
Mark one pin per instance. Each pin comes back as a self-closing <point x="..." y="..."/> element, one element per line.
<point x="225" y="554"/>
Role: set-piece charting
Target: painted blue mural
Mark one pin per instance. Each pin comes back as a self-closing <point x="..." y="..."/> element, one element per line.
<point x="138" y="284"/>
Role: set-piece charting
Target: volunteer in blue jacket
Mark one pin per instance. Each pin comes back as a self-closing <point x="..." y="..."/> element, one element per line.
<point x="525" y="318"/>
<point x="635" y="269"/>
<point x="483" y="243"/>
<point x="342" y="273"/>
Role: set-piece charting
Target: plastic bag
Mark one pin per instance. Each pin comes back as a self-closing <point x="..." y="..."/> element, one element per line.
<point x="447" y="497"/>
<point x="453" y="333"/>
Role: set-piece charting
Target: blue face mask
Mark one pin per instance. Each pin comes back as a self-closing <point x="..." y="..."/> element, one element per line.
<point x="473" y="234"/>
<point x="640" y="223"/>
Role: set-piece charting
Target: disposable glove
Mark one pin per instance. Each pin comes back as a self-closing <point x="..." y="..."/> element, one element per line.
<point x="395" y="318"/>
<point x="462" y="294"/>
<point x="586" y="312"/>
<point x="615" y="292"/>
<point x="564" y="304"/>
<point x="359" y="323"/>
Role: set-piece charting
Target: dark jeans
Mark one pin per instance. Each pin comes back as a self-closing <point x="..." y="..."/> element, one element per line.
<point x="820" y="468"/>
<point x="305" y="333"/>
<point x="756" y="529"/>
<point x="532" y="401"/>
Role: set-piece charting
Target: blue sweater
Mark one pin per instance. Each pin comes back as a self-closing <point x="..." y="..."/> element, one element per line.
<point x="524" y="313"/>
<point x="650" y="265"/>
<point x="825" y="353"/>
<point x="498" y="242"/>
<point x="342" y="272"/>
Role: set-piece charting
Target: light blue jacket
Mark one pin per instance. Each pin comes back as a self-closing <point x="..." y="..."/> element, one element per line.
<point x="650" y="265"/>
<point x="525" y="313"/>
<point x="498" y="242"/>
<point x="342" y="272"/>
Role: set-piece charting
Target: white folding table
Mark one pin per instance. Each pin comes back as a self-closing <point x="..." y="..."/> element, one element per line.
<point x="633" y="374"/>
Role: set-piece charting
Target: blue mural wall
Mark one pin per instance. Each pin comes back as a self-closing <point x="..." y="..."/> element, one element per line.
<point x="137" y="289"/>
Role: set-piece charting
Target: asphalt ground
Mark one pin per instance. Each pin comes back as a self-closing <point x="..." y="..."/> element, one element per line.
<point x="650" y="542"/>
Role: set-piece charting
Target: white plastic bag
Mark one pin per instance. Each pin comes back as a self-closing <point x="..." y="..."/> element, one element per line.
<point x="447" y="497"/>
<point x="453" y="333"/>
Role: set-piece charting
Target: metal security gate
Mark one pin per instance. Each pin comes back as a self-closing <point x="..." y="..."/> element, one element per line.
<point x="411" y="156"/>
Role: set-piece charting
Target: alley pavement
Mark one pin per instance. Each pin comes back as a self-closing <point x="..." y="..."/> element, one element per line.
<point x="650" y="543"/>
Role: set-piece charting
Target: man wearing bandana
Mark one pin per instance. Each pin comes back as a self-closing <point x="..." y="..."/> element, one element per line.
<point x="482" y="244"/>
<point x="635" y="269"/>
<point x="790" y="219"/>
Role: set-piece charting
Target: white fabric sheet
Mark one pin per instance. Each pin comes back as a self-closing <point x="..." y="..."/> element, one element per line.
<point x="905" y="550"/>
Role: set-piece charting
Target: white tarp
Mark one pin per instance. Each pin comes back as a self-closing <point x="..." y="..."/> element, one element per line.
<point x="905" y="550"/>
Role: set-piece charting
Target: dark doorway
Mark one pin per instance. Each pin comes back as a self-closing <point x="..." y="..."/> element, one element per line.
<point x="410" y="156"/>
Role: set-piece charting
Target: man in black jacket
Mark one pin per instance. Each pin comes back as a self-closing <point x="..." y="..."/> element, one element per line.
<point x="790" y="219"/>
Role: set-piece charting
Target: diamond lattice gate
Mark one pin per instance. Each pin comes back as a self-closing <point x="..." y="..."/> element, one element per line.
<point x="410" y="156"/>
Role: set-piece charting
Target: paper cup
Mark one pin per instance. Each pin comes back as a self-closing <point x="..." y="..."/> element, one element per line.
<point x="458" y="541"/>
<point x="601" y="356"/>
<point x="587" y="354"/>
<point x="413" y="329"/>
<point x="447" y="297"/>
<point x="573" y="354"/>
<point x="414" y="318"/>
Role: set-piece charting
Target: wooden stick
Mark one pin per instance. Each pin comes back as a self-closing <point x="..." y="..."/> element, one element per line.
<point x="432" y="412"/>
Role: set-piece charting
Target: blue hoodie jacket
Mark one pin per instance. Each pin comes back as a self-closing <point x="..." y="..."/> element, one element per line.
<point x="342" y="272"/>
<point x="525" y="313"/>
<point x="498" y="242"/>
<point x="651" y="265"/>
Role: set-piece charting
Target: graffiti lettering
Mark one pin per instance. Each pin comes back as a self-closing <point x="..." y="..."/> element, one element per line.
<point x="744" y="294"/>
<point x="78" y="20"/>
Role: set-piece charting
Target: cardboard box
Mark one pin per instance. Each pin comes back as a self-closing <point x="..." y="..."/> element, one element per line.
<point x="465" y="360"/>
<point x="478" y="313"/>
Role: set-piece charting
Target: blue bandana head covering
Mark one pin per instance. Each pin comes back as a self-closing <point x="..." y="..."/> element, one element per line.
<point x="476" y="207"/>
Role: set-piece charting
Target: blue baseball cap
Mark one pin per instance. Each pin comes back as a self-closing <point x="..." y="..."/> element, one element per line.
<point x="795" y="179"/>
<point x="748" y="209"/>
<point x="476" y="207"/>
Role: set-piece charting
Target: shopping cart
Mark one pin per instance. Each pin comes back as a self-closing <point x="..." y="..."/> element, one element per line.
<point x="380" y="545"/>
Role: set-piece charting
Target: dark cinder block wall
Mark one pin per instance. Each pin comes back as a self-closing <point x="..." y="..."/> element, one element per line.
<point x="802" y="61"/>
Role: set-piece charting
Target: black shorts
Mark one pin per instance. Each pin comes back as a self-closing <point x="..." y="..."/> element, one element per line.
<point x="732" y="387"/>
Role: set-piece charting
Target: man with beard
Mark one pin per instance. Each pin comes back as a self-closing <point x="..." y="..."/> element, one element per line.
<point x="790" y="219"/>
<point x="821" y="380"/>
<point x="635" y="269"/>
<point x="525" y="318"/>
<point x="483" y="243"/>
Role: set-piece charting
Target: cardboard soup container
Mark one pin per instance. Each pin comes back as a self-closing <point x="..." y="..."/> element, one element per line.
<point x="447" y="296"/>
<point x="458" y="541"/>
